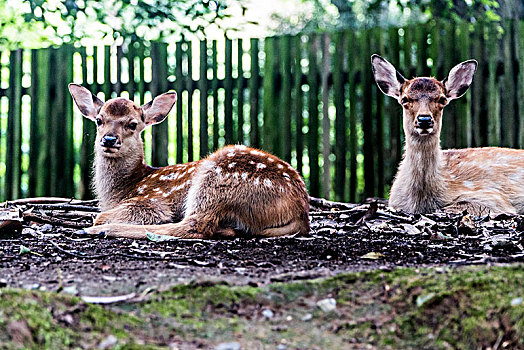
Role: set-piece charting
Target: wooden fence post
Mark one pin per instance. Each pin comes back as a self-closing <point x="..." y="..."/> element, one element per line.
<point x="13" y="173"/>
<point x="203" y="88"/>
<point x="160" y="132"/>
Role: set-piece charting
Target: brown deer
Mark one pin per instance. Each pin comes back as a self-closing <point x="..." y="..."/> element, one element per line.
<point x="233" y="192"/>
<point x="480" y="180"/>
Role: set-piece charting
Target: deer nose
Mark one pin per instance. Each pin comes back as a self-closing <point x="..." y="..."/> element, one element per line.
<point x="424" y="121"/>
<point x="109" y="141"/>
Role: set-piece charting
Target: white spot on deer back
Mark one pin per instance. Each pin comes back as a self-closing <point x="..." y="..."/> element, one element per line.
<point x="256" y="181"/>
<point x="231" y="165"/>
<point x="231" y="154"/>
<point x="268" y="182"/>
<point x="280" y="166"/>
<point x="240" y="147"/>
<point x="171" y="176"/>
<point x="261" y="166"/>
<point x="244" y="176"/>
<point x="270" y="159"/>
<point x="469" y="184"/>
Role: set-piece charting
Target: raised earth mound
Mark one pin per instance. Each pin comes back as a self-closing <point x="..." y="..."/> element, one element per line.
<point x="364" y="277"/>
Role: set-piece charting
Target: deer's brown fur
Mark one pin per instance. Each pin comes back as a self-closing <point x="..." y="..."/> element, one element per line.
<point x="235" y="191"/>
<point x="480" y="180"/>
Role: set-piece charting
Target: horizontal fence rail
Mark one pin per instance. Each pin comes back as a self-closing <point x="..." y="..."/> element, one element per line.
<point x="310" y="99"/>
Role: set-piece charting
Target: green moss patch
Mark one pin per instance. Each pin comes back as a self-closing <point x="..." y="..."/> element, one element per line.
<point x="468" y="307"/>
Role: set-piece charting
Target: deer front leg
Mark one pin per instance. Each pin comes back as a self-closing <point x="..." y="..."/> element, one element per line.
<point x="134" y="211"/>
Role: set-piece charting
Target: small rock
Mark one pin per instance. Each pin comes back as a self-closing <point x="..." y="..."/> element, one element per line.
<point x="71" y="289"/>
<point x="281" y="347"/>
<point x="32" y="286"/>
<point x="268" y="313"/>
<point x="307" y="317"/>
<point x="516" y="301"/>
<point x="46" y="228"/>
<point x="108" y="342"/>
<point x="327" y="305"/>
<point x="3" y="282"/>
<point x="28" y="231"/>
<point x="228" y="346"/>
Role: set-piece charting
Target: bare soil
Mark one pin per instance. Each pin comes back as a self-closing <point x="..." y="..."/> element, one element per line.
<point x="343" y="238"/>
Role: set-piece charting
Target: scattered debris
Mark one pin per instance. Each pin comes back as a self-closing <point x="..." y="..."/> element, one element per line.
<point x="343" y="237"/>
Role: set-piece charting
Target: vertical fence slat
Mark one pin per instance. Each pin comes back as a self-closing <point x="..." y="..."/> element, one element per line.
<point x="119" y="56"/>
<point x="314" y="182"/>
<point x="228" y="87"/>
<point x="284" y="117"/>
<point x="159" y="132"/>
<point x="479" y="118"/>
<point x="254" y="96"/>
<point x="509" y="96"/>
<point x="493" y="91"/>
<point x="240" y="93"/>
<point x="326" y="122"/>
<point x="34" y="141"/>
<point x="189" y="87"/>
<point x="462" y="116"/>
<point x="367" y="118"/>
<point x="214" y="87"/>
<point x="141" y="80"/>
<point x="352" y="64"/>
<point x="131" y="85"/>
<point x="106" y="87"/>
<point x="179" y="86"/>
<point x="88" y="141"/>
<point x="13" y="171"/>
<point x="380" y="166"/>
<point x="203" y="88"/>
<point x="269" y="98"/>
<point x="340" y="117"/>
<point x="296" y="54"/>
<point x="393" y="112"/>
<point x="449" y="124"/>
<point x="67" y="121"/>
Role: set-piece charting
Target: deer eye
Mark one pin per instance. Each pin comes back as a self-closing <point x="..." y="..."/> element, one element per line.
<point x="442" y="100"/>
<point x="98" y="121"/>
<point x="132" y="126"/>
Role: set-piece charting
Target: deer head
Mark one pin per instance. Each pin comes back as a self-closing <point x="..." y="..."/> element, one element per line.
<point x="120" y="121"/>
<point x="422" y="99"/>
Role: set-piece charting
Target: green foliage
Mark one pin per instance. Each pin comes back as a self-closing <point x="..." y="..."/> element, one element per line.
<point x="341" y="14"/>
<point x="34" y="23"/>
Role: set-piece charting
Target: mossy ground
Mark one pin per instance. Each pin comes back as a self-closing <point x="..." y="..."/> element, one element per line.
<point x="469" y="307"/>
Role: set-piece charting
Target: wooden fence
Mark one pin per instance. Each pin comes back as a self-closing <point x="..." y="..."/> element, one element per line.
<point x="310" y="99"/>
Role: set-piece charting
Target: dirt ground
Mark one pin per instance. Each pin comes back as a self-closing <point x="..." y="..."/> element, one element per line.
<point x="343" y="238"/>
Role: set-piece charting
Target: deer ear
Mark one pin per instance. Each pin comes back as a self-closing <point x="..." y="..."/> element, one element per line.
<point x="88" y="104"/>
<point x="157" y="110"/>
<point x="388" y="79"/>
<point x="459" y="79"/>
